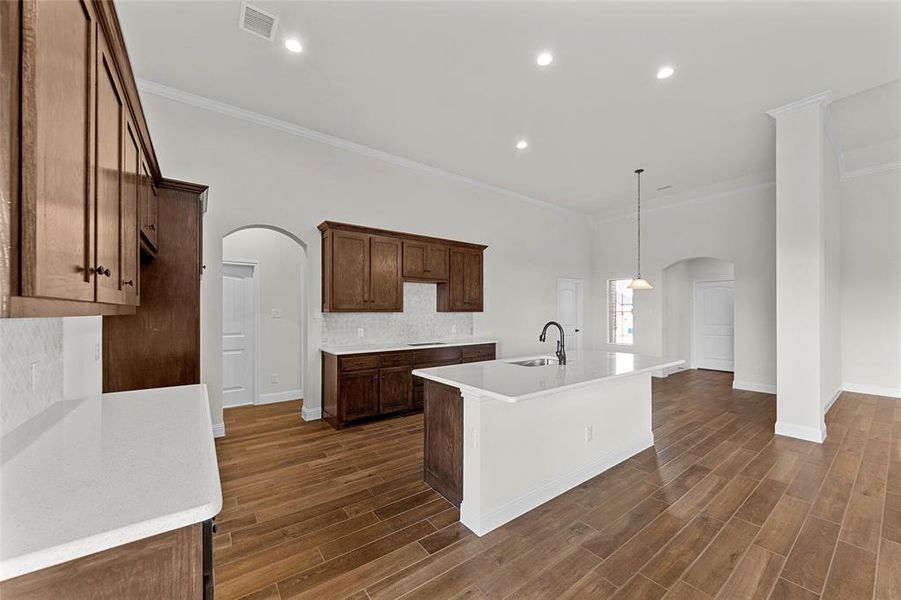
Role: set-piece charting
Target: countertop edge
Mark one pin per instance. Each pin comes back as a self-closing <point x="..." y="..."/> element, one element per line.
<point x="514" y="399"/>
<point x="339" y="351"/>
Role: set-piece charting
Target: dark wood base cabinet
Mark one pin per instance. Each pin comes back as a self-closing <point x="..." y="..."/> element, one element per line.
<point x="169" y="565"/>
<point x="359" y="387"/>
<point x="442" y="466"/>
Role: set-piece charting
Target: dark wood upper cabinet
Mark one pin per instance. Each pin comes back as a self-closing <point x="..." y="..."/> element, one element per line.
<point x="57" y="144"/>
<point x="148" y="211"/>
<point x="425" y="261"/>
<point x="464" y="289"/>
<point x="363" y="269"/>
<point x="82" y="152"/>
<point x="386" y="287"/>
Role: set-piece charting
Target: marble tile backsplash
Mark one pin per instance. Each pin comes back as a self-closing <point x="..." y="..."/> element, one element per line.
<point x="23" y="343"/>
<point x="420" y="322"/>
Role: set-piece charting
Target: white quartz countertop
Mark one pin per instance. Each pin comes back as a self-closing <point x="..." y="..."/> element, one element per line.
<point x="505" y="381"/>
<point x="91" y="474"/>
<point x="395" y="346"/>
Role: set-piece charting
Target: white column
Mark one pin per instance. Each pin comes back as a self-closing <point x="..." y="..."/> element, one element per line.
<point x="801" y="198"/>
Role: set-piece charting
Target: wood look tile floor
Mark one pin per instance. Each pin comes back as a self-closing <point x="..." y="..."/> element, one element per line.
<point x="719" y="508"/>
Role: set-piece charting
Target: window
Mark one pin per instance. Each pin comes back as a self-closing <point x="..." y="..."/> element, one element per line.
<point x="619" y="311"/>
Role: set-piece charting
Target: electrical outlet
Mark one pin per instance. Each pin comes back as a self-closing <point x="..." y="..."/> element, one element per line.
<point x="97" y="351"/>
<point x="359" y="332"/>
<point x="276" y="313"/>
<point x="34" y="376"/>
<point x="273" y="378"/>
<point x="453" y="329"/>
<point x="589" y="433"/>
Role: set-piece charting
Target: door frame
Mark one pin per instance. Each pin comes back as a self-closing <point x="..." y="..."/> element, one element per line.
<point x="255" y="265"/>
<point x="580" y="305"/>
<point x="691" y="320"/>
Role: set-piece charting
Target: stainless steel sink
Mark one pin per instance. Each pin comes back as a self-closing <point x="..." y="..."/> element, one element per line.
<point x="427" y="344"/>
<point x="536" y="362"/>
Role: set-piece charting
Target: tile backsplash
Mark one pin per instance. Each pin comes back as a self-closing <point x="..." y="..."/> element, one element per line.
<point x="27" y="390"/>
<point x="420" y="322"/>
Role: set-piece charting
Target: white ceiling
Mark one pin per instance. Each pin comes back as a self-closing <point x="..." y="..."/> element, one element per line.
<point x="455" y="84"/>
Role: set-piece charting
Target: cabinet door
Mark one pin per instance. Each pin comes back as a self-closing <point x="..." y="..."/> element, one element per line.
<point x="358" y="394"/>
<point x="131" y="194"/>
<point x="415" y="259"/>
<point x="350" y="271"/>
<point x="58" y="63"/>
<point x="437" y="262"/>
<point x="148" y="207"/>
<point x="386" y="281"/>
<point x="455" y="279"/>
<point x="108" y="175"/>
<point x="472" y="280"/>
<point x="395" y="389"/>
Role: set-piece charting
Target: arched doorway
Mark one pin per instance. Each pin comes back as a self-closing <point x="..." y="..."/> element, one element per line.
<point x="699" y="313"/>
<point x="263" y="316"/>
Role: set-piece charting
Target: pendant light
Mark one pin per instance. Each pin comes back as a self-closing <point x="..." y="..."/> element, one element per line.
<point x="639" y="283"/>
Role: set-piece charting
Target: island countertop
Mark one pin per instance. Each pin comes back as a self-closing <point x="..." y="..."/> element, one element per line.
<point x="503" y="380"/>
<point x="90" y="474"/>
<point x="399" y="346"/>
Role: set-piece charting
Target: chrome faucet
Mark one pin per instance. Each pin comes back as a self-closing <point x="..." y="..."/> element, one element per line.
<point x="561" y="349"/>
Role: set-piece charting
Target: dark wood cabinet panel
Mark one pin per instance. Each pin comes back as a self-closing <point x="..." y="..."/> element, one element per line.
<point x="464" y="289"/>
<point x="386" y="287"/>
<point x="472" y="280"/>
<point x="363" y="386"/>
<point x="425" y="261"/>
<point x="149" y="208"/>
<point x="358" y="394"/>
<point x="443" y="443"/>
<point x="57" y="212"/>
<point x="108" y="175"/>
<point x="350" y="271"/>
<point x="395" y="389"/>
<point x="131" y="195"/>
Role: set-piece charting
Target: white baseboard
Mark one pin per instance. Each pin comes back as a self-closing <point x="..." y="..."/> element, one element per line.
<point x="280" y="397"/>
<point x="802" y="432"/>
<point x="311" y="414"/>
<point x="751" y="386"/>
<point x="875" y="390"/>
<point x="218" y="430"/>
<point x="833" y="398"/>
<point x="482" y="524"/>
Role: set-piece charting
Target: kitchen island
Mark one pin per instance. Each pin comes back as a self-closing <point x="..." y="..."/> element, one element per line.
<point x="505" y="436"/>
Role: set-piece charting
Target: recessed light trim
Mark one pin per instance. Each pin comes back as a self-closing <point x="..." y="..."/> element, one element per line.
<point x="544" y="59"/>
<point x="293" y="45"/>
<point x="665" y="72"/>
<point x="522" y="145"/>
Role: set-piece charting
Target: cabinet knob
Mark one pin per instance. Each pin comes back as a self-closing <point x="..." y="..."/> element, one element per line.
<point x="100" y="270"/>
<point x="151" y="227"/>
<point x="130" y="282"/>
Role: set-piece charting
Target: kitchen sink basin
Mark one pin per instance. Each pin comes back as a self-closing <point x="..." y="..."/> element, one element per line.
<point x="536" y="362"/>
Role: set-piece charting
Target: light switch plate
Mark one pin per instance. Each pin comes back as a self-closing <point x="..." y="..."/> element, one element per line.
<point x="276" y="313"/>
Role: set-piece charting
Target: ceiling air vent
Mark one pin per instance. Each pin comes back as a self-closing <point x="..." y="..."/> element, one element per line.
<point x="257" y="21"/>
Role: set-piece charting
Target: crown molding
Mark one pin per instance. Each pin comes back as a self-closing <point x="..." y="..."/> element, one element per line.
<point x="890" y="166"/>
<point x="202" y="102"/>
<point x="824" y="98"/>
<point x="740" y="185"/>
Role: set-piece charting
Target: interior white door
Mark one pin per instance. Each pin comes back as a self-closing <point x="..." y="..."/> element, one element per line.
<point x="238" y="324"/>
<point x="569" y="310"/>
<point x="714" y="325"/>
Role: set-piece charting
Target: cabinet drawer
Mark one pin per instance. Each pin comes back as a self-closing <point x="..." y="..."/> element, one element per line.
<point x="396" y="359"/>
<point x="437" y="356"/>
<point x="477" y="353"/>
<point x="356" y="363"/>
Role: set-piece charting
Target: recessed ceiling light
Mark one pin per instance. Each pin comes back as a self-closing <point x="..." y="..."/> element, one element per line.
<point x="293" y="45"/>
<point x="522" y="145"/>
<point x="665" y="72"/>
<point x="544" y="59"/>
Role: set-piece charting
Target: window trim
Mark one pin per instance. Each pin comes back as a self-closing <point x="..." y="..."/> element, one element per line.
<point x="611" y="308"/>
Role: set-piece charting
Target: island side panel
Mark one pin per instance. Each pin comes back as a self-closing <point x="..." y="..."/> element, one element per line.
<point x="443" y="445"/>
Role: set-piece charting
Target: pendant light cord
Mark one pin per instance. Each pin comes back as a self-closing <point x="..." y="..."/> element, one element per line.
<point x="639" y="172"/>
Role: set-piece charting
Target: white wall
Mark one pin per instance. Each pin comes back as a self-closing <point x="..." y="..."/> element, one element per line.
<point x="871" y="283"/>
<point x="678" y="300"/>
<point x="831" y="334"/>
<point x="279" y="275"/>
<point x="738" y="227"/>
<point x="263" y="176"/>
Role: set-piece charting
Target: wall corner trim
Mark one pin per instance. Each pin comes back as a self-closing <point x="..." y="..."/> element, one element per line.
<point x="802" y="432"/>
<point x="218" y="430"/>
<point x="833" y="398"/>
<point x="311" y="414"/>
<point x="824" y="98"/>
